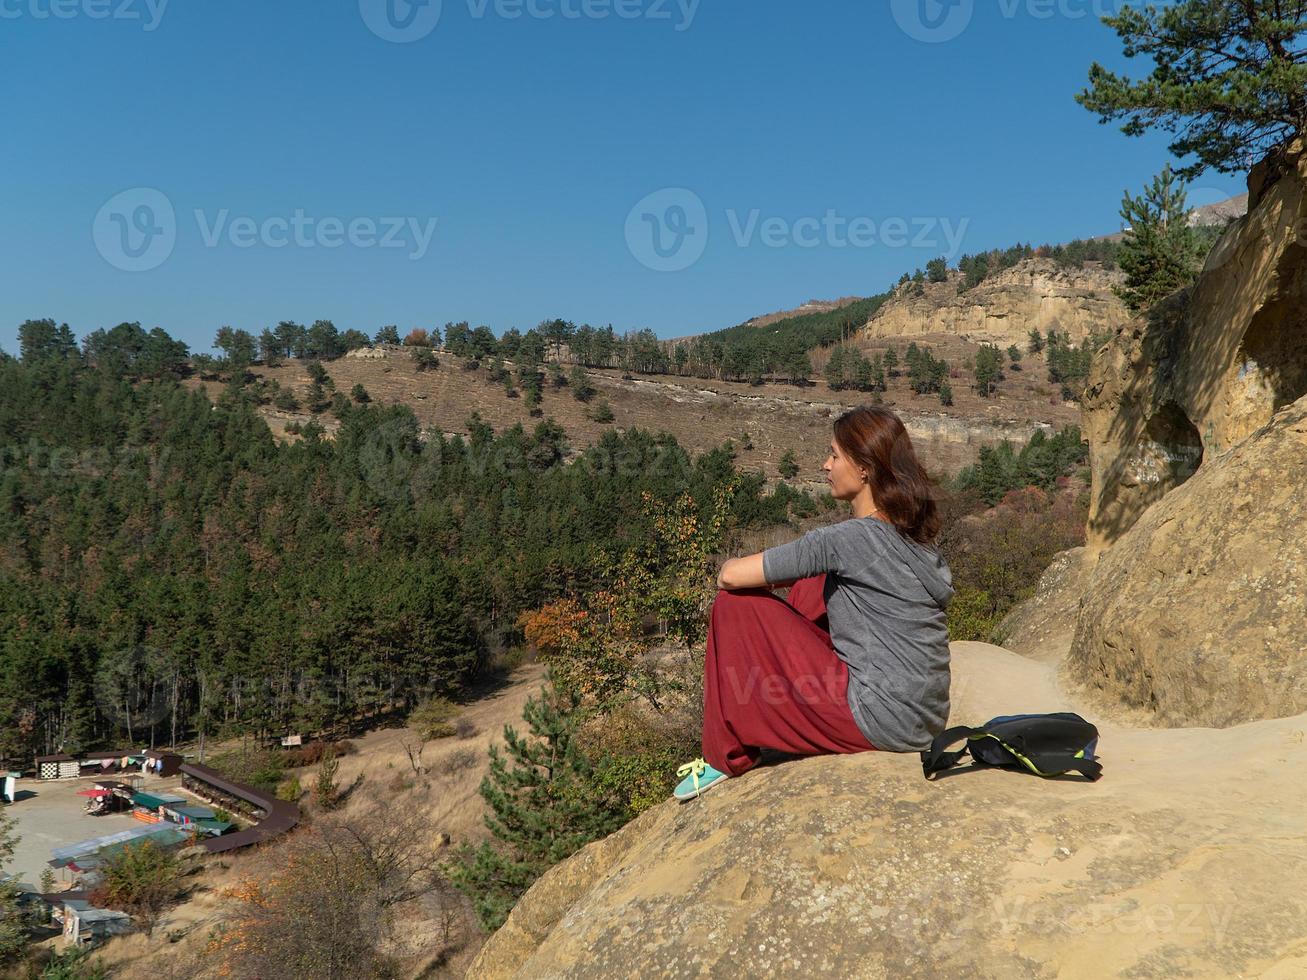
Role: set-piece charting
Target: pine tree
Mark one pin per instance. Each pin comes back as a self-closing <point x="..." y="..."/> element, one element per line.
<point x="912" y="355"/>
<point x="798" y="367"/>
<point x="789" y="466"/>
<point x="988" y="369"/>
<point x="1036" y="341"/>
<point x="1228" y="77"/>
<point x="877" y="374"/>
<point x="543" y="808"/>
<point x="862" y="374"/>
<point x="835" y="369"/>
<point x="891" y="362"/>
<point x="579" y="381"/>
<point x="533" y="394"/>
<point x="1160" y="252"/>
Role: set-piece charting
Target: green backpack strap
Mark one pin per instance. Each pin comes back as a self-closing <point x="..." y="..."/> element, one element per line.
<point x="935" y="759"/>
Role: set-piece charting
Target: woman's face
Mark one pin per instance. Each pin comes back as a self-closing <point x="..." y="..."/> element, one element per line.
<point x="842" y="473"/>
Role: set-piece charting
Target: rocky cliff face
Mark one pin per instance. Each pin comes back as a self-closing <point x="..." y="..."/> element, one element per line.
<point x="1196" y="416"/>
<point x="1197" y="614"/>
<point x="1032" y="295"/>
<point x="1202" y="371"/>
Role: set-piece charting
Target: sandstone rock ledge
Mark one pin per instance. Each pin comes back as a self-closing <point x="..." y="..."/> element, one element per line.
<point x="1181" y="861"/>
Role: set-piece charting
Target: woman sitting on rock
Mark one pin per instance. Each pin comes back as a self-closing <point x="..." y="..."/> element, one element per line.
<point x="856" y="657"/>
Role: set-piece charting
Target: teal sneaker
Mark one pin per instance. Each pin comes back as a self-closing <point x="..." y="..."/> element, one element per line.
<point x="699" y="778"/>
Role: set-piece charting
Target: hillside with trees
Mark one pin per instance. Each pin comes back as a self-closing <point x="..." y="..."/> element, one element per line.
<point x="169" y="570"/>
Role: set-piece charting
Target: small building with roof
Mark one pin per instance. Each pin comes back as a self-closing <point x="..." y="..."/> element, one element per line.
<point x="85" y="925"/>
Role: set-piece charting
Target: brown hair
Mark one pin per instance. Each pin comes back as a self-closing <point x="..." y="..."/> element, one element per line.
<point x="874" y="438"/>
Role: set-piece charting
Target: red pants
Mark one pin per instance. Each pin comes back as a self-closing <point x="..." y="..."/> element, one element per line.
<point x="772" y="679"/>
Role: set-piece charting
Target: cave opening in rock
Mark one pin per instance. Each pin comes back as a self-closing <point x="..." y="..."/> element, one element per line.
<point x="1275" y="344"/>
<point x="1178" y="440"/>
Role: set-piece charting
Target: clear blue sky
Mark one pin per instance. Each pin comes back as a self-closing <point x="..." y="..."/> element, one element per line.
<point x="529" y="140"/>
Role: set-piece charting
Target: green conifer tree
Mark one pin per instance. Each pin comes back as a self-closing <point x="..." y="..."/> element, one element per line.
<point x="579" y="381"/>
<point x="988" y="369"/>
<point x="835" y="369"/>
<point x="543" y="808"/>
<point x="1160" y="252"/>
<point x="1229" y="77"/>
<point x="863" y="375"/>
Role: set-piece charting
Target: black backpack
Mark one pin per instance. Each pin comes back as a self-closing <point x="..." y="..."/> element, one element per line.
<point x="1047" y="745"/>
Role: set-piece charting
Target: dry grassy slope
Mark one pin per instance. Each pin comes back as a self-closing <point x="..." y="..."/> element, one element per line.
<point x="447" y="796"/>
<point x="704" y="414"/>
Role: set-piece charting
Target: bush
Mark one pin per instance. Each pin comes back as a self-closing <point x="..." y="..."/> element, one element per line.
<point x="343" y="899"/>
<point x="602" y="412"/>
<point x="460" y="760"/>
<point x="311" y="754"/>
<point x="434" y="718"/>
<point x="289" y="790"/>
<point x="400" y="783"/>
<point x="326" y="793"/>
<point x="140" y="879"/>
<point x="465" y="728"/>
<point x="971" y="615"/>
<point x="636" y="755"/>
<point x="73" y="964"/>
<point x="996" y="560"/>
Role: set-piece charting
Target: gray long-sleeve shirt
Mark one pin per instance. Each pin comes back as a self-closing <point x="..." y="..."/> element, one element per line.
<point x="886" y="597"/>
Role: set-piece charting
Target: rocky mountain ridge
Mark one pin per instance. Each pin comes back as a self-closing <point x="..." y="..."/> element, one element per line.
<point x="1034" y="294"/>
